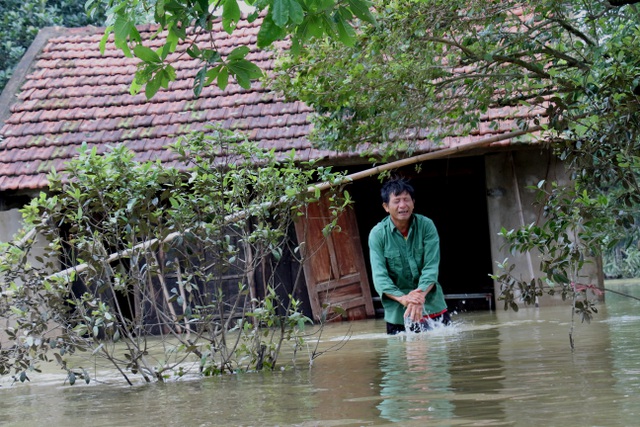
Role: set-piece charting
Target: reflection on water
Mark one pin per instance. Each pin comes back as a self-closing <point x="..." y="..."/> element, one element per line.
<point x="425" y="361"/>
<point x="490" y="369"/>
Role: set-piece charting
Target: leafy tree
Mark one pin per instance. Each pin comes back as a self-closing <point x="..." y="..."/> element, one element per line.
<point x="168" y="251"/>
<point x="435" y="67"/>
<point x="20" y="22"/>
<point x="302" y="20"/>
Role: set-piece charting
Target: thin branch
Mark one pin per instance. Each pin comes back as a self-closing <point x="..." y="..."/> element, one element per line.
<point x="526" y="65"/>
<point x="622" y="294"/>
<point x="570" y="59"/>
<point x="564" y="24"/>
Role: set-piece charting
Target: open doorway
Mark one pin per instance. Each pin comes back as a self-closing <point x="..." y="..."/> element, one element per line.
<point x="452" y="193"/>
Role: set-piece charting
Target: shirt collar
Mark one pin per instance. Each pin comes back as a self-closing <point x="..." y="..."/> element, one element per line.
<point x="391" y="227"/>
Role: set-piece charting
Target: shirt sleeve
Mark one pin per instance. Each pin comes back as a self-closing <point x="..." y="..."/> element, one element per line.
<point x="431" y="244"/>
<point x="381" y="279"/>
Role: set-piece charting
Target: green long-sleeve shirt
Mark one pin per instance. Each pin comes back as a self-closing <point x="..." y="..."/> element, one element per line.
<point x="400" y="265"/>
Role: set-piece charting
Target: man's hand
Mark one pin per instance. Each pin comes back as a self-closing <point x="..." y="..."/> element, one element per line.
<point x="417" y="296"/>
<point x="410" y="298"/>
<point x="414" y="312"/>
<point x="413" y="301"/>
<point x="420" y="295"/>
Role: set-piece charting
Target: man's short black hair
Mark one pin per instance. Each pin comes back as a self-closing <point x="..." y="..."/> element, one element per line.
<point x="395" y="186"/>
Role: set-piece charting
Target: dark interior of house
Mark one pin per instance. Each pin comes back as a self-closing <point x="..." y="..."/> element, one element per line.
<point x="452" y="193"/>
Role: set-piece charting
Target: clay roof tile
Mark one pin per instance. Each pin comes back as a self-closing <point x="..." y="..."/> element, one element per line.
<point x="76" y="94"/>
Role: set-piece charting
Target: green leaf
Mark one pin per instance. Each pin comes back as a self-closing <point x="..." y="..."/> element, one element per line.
<point x="135" y="87"/>
<point x="230" y="15"/>
<point x="243" y="81"/>
<point x="125" y="31"/>
<point x="361" y="8"/>
<point x="199" y="81"/>
<point x="168" y="75"/>
<point x="211" y="56"/>
<point x="296" y="12"/>
<point x="269" y="32"/>
<point x="146" y="54"/>
<point x="285" y="11"/>
<point x="166" y="50"/>
<point x="223" y="78"/>
<point x="346" y="33"/>
<point x="203" y="6"/>
<point x="329" y="25"/>
<point x="152" y="86"/>
<point x="194" y="51"/>
<point x="246" y="69"/>
<point x="104" y="39"/>
<point x="311" y="27"/>
<point x="238" y="53"/>
<point x="121" y="29"/>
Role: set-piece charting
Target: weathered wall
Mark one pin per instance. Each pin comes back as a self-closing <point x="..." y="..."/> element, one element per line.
<point x="511" y="204"/>
<point x="10" y="224"/>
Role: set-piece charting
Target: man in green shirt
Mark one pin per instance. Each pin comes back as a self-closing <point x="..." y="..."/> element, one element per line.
<point x="405" y="255"/>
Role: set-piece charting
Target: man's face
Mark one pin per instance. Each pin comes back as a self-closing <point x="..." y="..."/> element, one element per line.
<point x="400" y="207"/>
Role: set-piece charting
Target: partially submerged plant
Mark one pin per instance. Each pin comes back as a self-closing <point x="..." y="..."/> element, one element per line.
<point x="162" y="263"/>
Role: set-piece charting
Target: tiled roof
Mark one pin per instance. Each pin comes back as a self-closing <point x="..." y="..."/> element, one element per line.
<point x="74" y="94"/>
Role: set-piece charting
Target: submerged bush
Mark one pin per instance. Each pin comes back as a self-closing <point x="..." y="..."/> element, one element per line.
<point x="173" y="252"/>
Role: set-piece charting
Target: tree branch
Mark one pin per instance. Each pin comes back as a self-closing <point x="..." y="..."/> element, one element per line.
<point x="570" y="59"/>
<point x="498" y="58"/>
<point x="564" y="24"/>
<point x="527" y="66"/>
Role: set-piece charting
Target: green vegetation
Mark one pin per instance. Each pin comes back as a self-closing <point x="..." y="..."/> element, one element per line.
<point x="191" y="256"/>
<point x="301" y="20"/>
<point x="437" y="66"/>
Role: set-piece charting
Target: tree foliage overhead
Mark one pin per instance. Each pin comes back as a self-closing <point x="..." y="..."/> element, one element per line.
<point x="437" y="66"/>
<point x="301" y="20"/>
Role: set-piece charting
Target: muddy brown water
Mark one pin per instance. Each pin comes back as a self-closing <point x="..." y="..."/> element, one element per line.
<point x="489" y="369"/>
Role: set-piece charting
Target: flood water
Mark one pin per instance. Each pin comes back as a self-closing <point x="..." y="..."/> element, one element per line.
<point x="489" y="369"/>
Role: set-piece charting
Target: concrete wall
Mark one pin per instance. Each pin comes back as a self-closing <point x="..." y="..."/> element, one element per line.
<point x="10" y="224"/>
<point x="511" y="204"/>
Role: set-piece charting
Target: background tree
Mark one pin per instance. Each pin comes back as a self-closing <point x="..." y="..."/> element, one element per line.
<point x="436" y="66"/>
<point x="21" y="20"/>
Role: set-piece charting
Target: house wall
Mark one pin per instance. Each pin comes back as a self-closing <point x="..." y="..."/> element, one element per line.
<point x="511" y="204"/>
<point x="10" y="224"/>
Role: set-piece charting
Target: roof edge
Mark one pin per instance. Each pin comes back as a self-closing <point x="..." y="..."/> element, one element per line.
<point x="8" y="97"/>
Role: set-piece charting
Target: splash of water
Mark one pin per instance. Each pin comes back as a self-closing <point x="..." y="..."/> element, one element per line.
<point x="429" y="326"/>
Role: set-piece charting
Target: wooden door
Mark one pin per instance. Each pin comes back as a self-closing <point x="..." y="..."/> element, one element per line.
<point x="334" y="266"/>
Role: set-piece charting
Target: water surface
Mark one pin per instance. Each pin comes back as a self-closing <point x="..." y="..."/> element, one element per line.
<point x="489" y="369"/>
